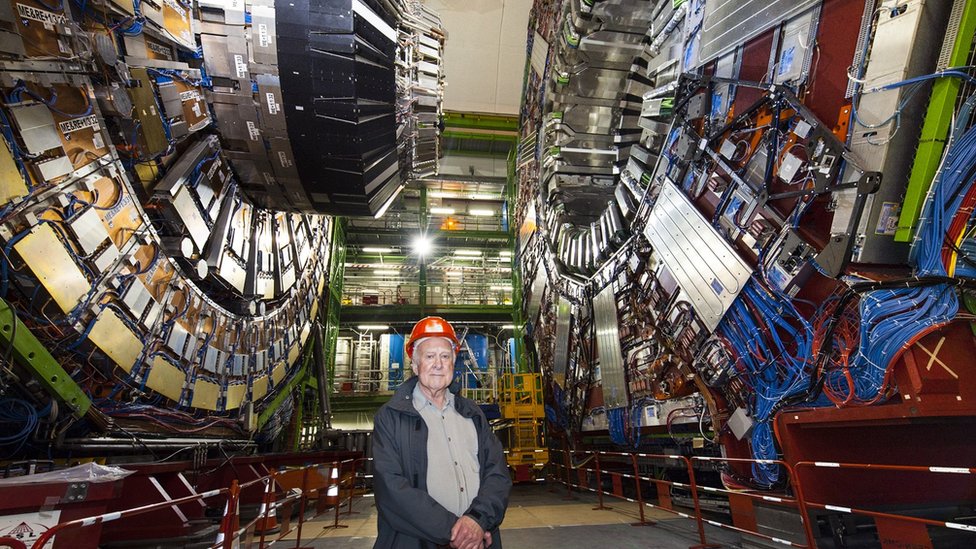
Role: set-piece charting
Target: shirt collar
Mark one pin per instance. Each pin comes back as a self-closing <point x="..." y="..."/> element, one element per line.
<point x="420" y="399"/>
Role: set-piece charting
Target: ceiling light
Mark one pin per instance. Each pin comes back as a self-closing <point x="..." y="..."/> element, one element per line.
<point x="472" y="253"/>
<point x="505" y="253"/>
<point x="508" y="326"/>
<point x="484" y="197"/>
<point x="372" y="250"/>
<point x="499" y="287"/>
<point x="481" y="213"/>
<point x="422" y="245"/>
<point x="372" y="327"/>
<point x="442" y="211"/>
<point x="453" y="273"/>
<point x="381" y="272"/>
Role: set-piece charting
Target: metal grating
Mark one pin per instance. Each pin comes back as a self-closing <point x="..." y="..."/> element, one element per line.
<point x="862" y="36"/>
<point x="952" y="31"/>
<point x="706" y="267"/>
<point x="729" y="23"/>
<point x="608" y="349"/>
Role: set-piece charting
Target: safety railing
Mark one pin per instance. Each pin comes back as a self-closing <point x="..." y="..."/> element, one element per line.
<point x="898" y="524"/>
<point x="331" y="484"/>
<point x="796" y="501"/>
<point x="630" y="460"/>
<point x="624" y="466"/>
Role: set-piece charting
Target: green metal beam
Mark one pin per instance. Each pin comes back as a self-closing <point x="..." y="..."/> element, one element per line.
<point x="282" y="394"/>
<point x="522" y="358"/>
<point x="337" y="263"/>
<point x="935" y="129"/>
<point x="358" y="403"/>
<point x="454" y="134"/>
<point x="477" y="121"/>
<point x="30" y="353"/>
<point x="411" y="313"/>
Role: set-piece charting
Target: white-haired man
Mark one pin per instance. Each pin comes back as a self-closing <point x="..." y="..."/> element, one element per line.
<point x="441" y="478"/>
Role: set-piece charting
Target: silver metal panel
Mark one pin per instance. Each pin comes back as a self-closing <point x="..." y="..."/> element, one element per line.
<point x="608" y="349"/>
<point x="706" y="267"/>
<point x="177" y="339"/>
<point x="192" y="219"/>
<point x="560" y="355"/>
<point x="52" y="169"/>
<point x="535" y="296"/>
<point x="729" y="23"/>
<point x="210" y="359"/>
<point x="136" y="297"/>
<point x="89" y="230"/>
<point x="37" y="128"/>
<point x="106" y="259"/>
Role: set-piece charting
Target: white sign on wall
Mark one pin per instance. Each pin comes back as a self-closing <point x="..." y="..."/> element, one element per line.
<point x="27" y="527"/>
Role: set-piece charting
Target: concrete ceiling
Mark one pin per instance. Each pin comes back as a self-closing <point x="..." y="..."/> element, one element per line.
<point x="485" y="53"/>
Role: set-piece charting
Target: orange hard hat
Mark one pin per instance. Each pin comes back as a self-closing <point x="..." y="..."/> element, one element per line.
<point x="431" y="326"/>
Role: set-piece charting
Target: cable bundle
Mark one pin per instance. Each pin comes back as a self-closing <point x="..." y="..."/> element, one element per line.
<point x="617" y="425"/>
<point x="771" y="344"/>
<point x="19" y="419"/>
<point x="894" y="319"/>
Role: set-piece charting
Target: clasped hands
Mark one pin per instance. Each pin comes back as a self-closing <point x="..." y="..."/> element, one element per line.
<point x="467" y="534"/>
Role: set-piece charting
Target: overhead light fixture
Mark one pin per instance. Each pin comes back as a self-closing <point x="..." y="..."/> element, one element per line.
<point x="499" y="287"/>
<point x="505" y="269"/>
<point x="440" y="194"/>
<point x="442" y="211"/>
<point x="481" y="213"/>
<point x="386" y="272"/>
<point x="372" y="327"/>
<point x="508" y="326"/>
<point x="484" y="197"/>
<point x="422" y="245"/>
<point x="453" y="273"/>
<point x="372" y="250"/>
<point x="471" y="253"/>
<point x="505" y="253"/>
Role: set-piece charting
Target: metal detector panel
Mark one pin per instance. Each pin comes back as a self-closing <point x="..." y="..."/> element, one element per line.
<point x="608" y="349"/>
<point x="706" y="267"/>
<point x="560" y="354"/>
<point x="729" y="23"/>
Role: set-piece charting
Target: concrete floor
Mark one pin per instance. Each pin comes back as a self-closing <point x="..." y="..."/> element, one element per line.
<point x="538" y="518"/>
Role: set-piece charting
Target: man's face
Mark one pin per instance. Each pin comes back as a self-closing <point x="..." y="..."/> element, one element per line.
<point x="434" y="360"/>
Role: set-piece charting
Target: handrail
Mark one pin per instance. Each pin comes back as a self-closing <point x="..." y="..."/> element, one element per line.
<point x="899" y="468"/>
<point x="796" y="500"/>
<point x="229" y="526"/>
<point x="116" y="515"/>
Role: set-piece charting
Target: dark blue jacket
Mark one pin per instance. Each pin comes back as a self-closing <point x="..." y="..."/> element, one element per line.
<point x="408" y="518"/>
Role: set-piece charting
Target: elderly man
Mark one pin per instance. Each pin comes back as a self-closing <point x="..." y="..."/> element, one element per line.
<point x="441" y="478"/>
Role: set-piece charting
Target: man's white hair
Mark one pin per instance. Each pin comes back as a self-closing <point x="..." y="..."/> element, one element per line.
<point x="416" y="345"/>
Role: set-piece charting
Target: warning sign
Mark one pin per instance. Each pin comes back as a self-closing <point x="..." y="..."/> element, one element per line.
<point x="27" y="527"/>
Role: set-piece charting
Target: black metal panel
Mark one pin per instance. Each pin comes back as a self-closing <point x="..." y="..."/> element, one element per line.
<point x="337" y="75"/>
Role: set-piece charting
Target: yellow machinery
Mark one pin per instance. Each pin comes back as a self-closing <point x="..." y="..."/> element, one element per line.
<point x="520" y="399"/>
